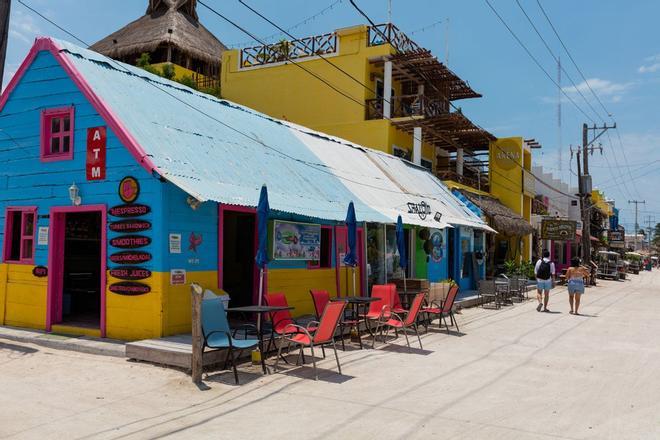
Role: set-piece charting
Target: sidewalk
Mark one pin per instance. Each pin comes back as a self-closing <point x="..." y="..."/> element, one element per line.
<point x="82" y="344"/>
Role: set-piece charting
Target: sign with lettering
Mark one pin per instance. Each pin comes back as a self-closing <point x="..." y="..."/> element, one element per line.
<point x="129" y="210"/>
<point x="559" y="230"/>
<point x="40" y="271"/>
<point x="507" y="153"/>
<point x="296" y="241"/>
<point x="42" y="236"/>
<point x="129" y="189"/>
<point x="129" y="288"/>
<point x="177" y="277"/>
<point x="130" y="241"/>
<point x="130" y="273"/>
<point x="96" y="152"/>
<point x="422" y="209"/>
<point x="175" y="243"/>
<point x="130" y="226"/>
<point x="130" y="257"/>
<point x="616" y="239"/>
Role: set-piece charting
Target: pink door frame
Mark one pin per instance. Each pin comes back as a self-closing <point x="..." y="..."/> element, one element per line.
<point x="56" y="262"/>
<point x="221" y="227"/>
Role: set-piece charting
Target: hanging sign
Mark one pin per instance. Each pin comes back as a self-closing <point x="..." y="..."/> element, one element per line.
<point x="129" y="210"/>
<point x="559" y="230"/>
<point x="96" y="152"/>
<point x="130" y="226"/>
<point x="130" y="241"/>
<point x="40" y="271"/>
<point x="616" y="239"/>
<point x="296" y="241"/>
<point x="130" y="257"/>
<point x="42" y="236"/>
<point x="129" y="189"/>
<point x="130" y="273"/>
<point x="129" y="288"/>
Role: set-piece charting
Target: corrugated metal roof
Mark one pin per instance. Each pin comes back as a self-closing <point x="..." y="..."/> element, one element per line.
<point x="217" y="150"/>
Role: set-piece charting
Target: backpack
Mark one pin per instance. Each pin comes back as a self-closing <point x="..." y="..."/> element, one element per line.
<point x="544" y="272"/>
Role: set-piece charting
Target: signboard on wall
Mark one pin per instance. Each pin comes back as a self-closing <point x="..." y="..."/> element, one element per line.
<point x="616" y="239"/>
<point x="296" y="241"/>
<point x="96" y="152"/>
<point x="558" y="230"/>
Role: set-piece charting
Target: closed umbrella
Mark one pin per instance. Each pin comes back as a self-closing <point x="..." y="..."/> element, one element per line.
<point x="263" y="212"/>
<point x="401" y="246"/>
<point x="350" y="259"/>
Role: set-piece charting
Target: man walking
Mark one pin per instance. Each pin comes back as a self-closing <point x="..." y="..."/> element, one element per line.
<point x="545" y="273"/>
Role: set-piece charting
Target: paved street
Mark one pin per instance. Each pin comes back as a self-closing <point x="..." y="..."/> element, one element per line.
<point x="511" y="374"/>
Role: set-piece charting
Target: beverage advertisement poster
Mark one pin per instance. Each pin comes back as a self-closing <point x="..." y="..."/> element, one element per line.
<point x="296" y="241"/>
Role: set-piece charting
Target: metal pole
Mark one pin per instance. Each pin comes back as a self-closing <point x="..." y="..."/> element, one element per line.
<point x="5" y="8"/>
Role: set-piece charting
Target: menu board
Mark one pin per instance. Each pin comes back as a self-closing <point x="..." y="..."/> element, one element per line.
<point x="296" y="241"/>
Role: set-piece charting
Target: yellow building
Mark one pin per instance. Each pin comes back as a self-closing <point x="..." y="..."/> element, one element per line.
<point x="375" y="87"/>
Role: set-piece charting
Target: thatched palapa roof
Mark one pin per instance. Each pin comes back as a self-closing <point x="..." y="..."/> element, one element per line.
<point x="505" y="221"/>
<point x="152" y="30"/>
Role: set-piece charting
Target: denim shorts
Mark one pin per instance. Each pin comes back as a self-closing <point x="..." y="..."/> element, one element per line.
<point x="544" y="284"/>
<point x="576" y="285"/>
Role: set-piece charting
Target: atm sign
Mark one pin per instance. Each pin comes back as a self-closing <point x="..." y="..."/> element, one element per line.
<point x="96" y="152"/>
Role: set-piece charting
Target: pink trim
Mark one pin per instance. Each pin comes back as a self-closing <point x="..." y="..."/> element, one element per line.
<point x="341" y="233"/>
<point x="9" y="225"/>
<point x="46" y="135"/>
<point x="361" y="260"/>
<point x="55" y="262"/>
<point x="120" y="130"/>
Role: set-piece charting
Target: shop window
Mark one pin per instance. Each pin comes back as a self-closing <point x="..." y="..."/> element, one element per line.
<point x="325" y="259"/>
<point x="57" y="134"/>
<point x="19" y="235"/>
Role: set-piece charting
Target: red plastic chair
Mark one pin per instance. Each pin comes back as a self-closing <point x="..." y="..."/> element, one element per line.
<point x="396" y="301"/>
<point x="398" y="323"/>
<point x="379" y="311"/>
<point x="281" y="319"/>
<point x="444" y="309"/>
<point x="324" y="333"/>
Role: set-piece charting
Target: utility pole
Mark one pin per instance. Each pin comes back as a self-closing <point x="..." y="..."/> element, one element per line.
<point x="637" y="203"/>
<point x="649" y="221"/>
<point x="5" y="7"/>
<point x="585" y="184"/>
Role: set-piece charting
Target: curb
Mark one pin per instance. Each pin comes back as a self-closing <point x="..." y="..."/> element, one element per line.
<point x="82" y="344"/>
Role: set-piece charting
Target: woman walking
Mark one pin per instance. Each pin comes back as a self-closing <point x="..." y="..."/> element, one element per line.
<point x="575" y="276"/>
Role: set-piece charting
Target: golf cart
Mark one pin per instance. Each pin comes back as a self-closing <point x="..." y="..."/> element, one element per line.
<point x="635" y="261"/>
<point x="608" y="265"/>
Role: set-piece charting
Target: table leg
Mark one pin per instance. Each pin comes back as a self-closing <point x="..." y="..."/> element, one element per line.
<point x="261" y="348"/>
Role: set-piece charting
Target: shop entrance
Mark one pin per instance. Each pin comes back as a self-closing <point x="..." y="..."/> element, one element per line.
<point x="76" y="293"/>
<point x="237" y="266"/>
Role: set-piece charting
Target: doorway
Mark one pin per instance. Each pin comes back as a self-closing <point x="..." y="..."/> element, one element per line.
<point x="76" y="287"/>
<point x="238" y="249"/>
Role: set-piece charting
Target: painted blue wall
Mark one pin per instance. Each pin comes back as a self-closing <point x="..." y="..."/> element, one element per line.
<point x="26" y="181"/>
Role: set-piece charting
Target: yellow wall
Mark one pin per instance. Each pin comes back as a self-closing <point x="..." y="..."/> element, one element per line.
<point x="285" y="91"/>
<point x="3" y="291"/>
<point x="176" y="301"/>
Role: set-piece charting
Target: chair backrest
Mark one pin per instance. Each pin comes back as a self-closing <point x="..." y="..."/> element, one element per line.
<point x="214" y="317"/>
<point x="384" y="293"/>
<point x="320" y="298"/>
<point x="411" y="317"/>
<point x="487" y="287"/>
<point x="451" y="296"/>
<point x="329" y="321"/>
<point x="395" y="301"/>
<point x="282" y="318"/>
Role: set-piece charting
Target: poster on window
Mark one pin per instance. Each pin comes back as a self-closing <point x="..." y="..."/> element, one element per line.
<point x="296" y="241"/>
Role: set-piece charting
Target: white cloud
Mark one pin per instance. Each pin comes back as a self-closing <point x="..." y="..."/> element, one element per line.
<point x="23" y="27"/>
<point x="652" y="64"/>
<point x="607" y="91"/>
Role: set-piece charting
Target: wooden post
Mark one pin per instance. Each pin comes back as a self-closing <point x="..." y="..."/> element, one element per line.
<point x="196" y="291"/>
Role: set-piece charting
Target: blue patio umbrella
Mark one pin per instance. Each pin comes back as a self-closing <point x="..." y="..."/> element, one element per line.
<point x="401" y="246"/>
<point x="263" y="212"/>
<point x="350" y="259"/>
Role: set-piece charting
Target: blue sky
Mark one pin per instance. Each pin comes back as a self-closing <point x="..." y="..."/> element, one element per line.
<point x="616" y="45"/>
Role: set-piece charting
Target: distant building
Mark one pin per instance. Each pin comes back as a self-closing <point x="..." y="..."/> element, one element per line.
<point x="170" y="32"/>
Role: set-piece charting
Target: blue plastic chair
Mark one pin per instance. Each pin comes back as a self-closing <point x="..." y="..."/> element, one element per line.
<point x="217" y="333"/>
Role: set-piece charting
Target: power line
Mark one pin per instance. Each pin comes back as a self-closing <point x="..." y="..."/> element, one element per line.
<point x="573" y="60"/>
<point x="557" y="60"/>
<point x="536" y="61"/>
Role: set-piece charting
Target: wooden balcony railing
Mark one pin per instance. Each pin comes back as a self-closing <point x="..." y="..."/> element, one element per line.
<point x="407" y="105"/>
<point x="284" y="50"/>
<point x="388" y="33"/>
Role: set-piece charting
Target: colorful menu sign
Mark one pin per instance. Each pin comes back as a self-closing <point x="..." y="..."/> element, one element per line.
<point x="127" y="210"/>
<point x="130" y="241"/>
<point x="130" y="226"/>
<point x="129" y="189"/>
<point x="130" y="273"/>
<point x="296" y="241"/>
<point x="129" y="288"/>
<point x="130" y="257"/>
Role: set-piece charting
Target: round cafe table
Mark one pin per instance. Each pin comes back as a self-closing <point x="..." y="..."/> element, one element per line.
<point x="356" y="302"/>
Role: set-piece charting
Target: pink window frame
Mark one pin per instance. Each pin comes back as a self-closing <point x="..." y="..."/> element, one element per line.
<point x="317" y="264"/>
<point x="9" y="225"/>
<point x="46" y="135"/>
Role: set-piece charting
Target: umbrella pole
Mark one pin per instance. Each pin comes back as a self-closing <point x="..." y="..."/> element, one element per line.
<point x="260" y="299"/>
<point x="354" y="292"/>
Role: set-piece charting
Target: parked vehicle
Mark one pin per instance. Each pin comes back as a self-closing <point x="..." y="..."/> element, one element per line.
<point x="623" y="269"/>
<point x="635" y="261"/>
<point x="608" y="265"/>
